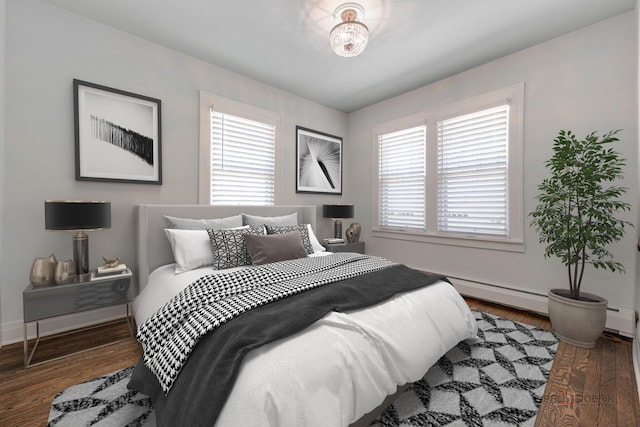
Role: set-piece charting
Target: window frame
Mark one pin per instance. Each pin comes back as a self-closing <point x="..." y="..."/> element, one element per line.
<point x="208" y="101"/>
<point x="514" y="96"/>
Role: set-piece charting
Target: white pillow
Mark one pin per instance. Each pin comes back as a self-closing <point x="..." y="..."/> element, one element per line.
<point x="191" y="248"/>
<point x="204" y="224"/>
<point x="315" y="243"/>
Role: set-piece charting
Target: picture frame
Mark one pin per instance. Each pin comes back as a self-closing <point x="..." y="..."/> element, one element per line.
<point x="318" y="162"/>
<point x="117" y="135"/>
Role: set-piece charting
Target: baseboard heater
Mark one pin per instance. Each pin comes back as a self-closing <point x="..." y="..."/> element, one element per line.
<point x="619" y="320"/>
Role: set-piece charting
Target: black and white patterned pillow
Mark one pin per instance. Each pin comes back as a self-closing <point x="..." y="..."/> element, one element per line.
<point x="302" y="228"/>
<point x="228" y="247"/>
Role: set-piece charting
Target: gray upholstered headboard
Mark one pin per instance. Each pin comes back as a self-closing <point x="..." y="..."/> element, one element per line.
<point x="153" y="248"/>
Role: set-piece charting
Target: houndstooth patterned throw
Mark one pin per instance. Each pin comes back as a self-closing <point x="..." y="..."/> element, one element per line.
<point x="169" y="336"/>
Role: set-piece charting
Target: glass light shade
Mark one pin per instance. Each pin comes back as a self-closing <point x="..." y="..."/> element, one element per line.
<point x="349" y="38"/>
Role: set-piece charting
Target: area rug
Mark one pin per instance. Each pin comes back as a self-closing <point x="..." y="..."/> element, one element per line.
<point x="495" y="379"/>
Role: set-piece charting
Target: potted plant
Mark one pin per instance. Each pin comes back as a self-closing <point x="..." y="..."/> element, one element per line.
<point x="575" y="219"/>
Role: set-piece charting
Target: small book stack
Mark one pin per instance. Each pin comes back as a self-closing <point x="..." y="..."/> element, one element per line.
<point x="110" y="272"/>
<point x="334" y="241"/>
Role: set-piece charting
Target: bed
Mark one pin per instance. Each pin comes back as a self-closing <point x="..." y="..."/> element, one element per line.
<point x="340" y="369"/>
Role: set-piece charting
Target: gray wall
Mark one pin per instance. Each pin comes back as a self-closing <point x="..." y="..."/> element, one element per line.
<point x="2" y="136"/>
<point x="585" y="81"/>
<point x="46" y="49"/>
<point x="637" y="93"/>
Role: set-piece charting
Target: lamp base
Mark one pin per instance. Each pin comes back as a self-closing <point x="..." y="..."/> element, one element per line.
<point x="337" y="229"/>
<point x="81" y="255"/>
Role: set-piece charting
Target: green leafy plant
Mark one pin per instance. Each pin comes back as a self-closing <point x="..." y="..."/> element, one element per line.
<point x="577" y="204"/>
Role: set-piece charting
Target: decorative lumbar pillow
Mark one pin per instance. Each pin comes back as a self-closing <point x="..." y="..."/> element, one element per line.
<point x="191" y="248"/>
<point x="289" y="219"/>
<point x="274" y="247"/>
<point x="228" y="247"/>
<point x="204" y="224"/>
<point x="302" y="229"/>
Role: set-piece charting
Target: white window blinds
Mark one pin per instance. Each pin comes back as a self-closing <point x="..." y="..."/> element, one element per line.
<point x="401" y="175"/>
<point x="472" y="173"/>
<point x="242" y="160"/>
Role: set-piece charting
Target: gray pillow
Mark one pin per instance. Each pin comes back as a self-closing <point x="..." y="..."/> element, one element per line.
<point x="228" y="247"/>
<point x="204" y="224"/>
<point x="289" y="219"/>
<point x="303" y="229"/>
<point x="275" y="247"/>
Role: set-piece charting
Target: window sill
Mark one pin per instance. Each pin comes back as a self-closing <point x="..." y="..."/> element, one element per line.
<point x="469" y="242"/>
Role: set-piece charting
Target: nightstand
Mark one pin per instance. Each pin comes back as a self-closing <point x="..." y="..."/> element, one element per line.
<point x="44" y="302"/>
<point x="357" y="247"/>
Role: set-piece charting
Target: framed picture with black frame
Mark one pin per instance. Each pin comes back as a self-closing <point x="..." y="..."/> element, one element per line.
<point x="118" y="135"/>
<point x="318" y="162"/>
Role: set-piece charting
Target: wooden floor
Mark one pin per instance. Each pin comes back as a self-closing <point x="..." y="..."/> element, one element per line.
<point x="586" y="388"/>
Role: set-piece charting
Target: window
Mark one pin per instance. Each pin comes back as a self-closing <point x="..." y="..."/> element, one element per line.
<point x="237" y="153"/>
<point x="472" y="172"/>
<point x="453" y="175"/>
<point x="401" y="175"/>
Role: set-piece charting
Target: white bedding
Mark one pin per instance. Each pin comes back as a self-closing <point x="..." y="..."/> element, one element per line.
<point x="343" y="365"/>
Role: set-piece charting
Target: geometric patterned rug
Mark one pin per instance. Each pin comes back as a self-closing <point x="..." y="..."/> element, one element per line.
<point x="103" y="401"/>
<point x="496" y="379"/>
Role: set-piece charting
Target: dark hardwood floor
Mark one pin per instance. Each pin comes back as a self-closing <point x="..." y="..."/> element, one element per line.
<point x="26" y="395"/>
<point x="595" y="387"/>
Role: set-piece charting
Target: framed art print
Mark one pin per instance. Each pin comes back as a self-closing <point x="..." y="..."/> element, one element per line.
<point x="318" y="162"/>
<point x="118" y="137"/>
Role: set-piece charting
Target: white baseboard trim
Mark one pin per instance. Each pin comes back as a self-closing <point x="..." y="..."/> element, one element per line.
<point x="13" y="332"/>
<point x="620" y="320"/>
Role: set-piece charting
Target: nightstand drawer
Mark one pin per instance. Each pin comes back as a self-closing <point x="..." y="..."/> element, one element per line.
<point x="57" y="300"/>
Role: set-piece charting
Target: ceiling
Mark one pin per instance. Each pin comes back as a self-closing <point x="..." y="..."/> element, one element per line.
<point x="285" y="44"/>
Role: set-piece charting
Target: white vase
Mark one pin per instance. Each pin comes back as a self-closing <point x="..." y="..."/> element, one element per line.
<point x="577" y="322"/>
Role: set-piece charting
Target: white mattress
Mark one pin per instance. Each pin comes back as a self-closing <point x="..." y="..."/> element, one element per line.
<point x="342" y="366"/>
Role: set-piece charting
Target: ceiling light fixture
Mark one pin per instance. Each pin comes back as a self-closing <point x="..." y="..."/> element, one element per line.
<point x="350" y="37"/>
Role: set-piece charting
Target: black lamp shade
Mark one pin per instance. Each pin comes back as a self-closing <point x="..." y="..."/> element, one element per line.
<point x="70" y="215"/>
<point x="337" y="211"/>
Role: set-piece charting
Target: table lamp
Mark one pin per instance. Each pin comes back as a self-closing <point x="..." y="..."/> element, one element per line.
<point x="79" y="217"/>
<point x="337" y="212"/>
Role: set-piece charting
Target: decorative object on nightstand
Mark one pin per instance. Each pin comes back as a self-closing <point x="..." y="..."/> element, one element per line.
<point x="65" y="272"/>
<point x="79" y="217"/>
<point x="110" y="263"/>
<point x="43" y="271"/>
<point x="110" y="270"/>
<point x="353" y="232"/>
<point x="337" y="212"/>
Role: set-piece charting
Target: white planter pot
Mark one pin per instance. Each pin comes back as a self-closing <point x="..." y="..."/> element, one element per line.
<point x="578" y="322"/>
